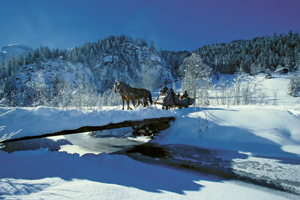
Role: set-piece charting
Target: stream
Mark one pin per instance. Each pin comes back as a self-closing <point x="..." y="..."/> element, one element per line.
<point x="267" y="172"/>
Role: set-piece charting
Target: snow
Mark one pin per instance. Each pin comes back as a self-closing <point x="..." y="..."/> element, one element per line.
<point x="262" y="140"/>
<point x="15" y="49"/>
<point x="60" y="175"/>
<point x="247" y="127"/>
<point x="43" y="120"/>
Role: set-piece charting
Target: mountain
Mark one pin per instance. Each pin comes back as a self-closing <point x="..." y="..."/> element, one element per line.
<point x="15" y="49"/>
<point x="132" y="61"/>
<point x="83" y="75"/>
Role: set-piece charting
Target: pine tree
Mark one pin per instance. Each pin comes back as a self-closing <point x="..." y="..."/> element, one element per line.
<point x="294" y="86"/>
<point x="194" y="71"/>
<point x="297" y="60"/>
<point x="41" y="90"/>
<point x="237" y="91"/>
<point x="152" y="48"/>
<point x="20" y="60"/>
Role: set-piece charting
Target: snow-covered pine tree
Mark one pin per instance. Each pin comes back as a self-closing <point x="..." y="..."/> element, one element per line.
<point x="268" y="74"/>
<point x="223" y="84"/>
<point x="246" y="93"/>
<point x="152" y="48"/>
<point x="294" y="86"/>
<point x="65" y="93"/>
<point x="194" y="71"/>
<point x="297" y="60"/>
<point x="237" y="91"/>
<point x="41" y="90"/>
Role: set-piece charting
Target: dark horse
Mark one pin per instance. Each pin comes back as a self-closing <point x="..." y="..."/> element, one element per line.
<point x="128" y="94"/>
<point x="140" y="93"/>
<point x="124" y="91"/>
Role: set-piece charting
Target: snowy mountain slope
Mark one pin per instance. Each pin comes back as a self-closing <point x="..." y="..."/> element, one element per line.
<point x="96" y="66"/>
<point x="15" y="49"/>
<point x="130" y="63"/>
<point x="54" y="82"/>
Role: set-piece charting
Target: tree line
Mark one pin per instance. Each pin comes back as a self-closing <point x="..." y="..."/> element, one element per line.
<point x="253" y="56"/>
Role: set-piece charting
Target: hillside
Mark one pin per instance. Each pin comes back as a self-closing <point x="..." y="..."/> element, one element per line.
<point x="254" y="56"/>
<point x="45" y="76"/>
<point x="93" y="68"/>
<point x="14" y="49"/>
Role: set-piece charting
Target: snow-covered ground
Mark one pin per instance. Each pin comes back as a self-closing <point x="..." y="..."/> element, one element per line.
<point x="257" y="141"/>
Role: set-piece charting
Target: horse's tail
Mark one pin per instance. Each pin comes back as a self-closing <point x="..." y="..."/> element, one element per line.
<point x="150" y="98"/>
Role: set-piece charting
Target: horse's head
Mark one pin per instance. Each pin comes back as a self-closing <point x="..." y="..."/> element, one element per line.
<point x="122" y="87"/>
<point x="117" y="87"/>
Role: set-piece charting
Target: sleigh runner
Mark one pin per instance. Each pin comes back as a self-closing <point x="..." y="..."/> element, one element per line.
<point x="167" y="101"/>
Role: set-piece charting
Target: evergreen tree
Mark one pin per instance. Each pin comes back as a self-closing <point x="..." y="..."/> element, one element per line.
<point x="20" y="60"/>
<point x="55" y="53"/>
<point x="41" y="93"/>
<point x="29" y="58"/>
<point x="152" y="48"/>
<point x="297" y="60"/>
<point x="194" y="71"/>
<point x="294" y="86"/>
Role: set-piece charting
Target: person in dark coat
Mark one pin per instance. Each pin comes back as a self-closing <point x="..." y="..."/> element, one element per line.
<point x="164" y="89"/>
<point x="171" y="91"/>
<point x="178" y="95"/>
<point x="185" y="95"/>
<point x="170" y="94"/>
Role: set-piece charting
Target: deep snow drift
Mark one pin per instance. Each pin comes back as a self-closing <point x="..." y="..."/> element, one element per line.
<point x="262" y="140"/>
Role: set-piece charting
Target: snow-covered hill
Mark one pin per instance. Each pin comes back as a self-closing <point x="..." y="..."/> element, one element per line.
<point x="15" y="49"/>
<point x="89" y="70"/>
<point x="49" y="83"/>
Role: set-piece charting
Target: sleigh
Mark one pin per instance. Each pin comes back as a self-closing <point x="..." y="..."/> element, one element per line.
<point x="165" y="101"/>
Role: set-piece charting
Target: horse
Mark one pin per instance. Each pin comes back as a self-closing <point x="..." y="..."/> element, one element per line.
<point x="141" y="93"/>
<point x="131" y="94"/>
<point x="124" y="91"/>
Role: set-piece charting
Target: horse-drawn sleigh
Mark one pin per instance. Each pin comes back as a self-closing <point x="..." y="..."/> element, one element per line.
<point x="168" y="100"/>
<point x="164" y="100"/>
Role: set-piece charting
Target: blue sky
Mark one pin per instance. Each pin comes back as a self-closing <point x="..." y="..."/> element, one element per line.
<point x="171" y="24"/>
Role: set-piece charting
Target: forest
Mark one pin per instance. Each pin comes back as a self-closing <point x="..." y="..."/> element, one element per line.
<point x="83" y="76"/>
<point x="253" y="56"/>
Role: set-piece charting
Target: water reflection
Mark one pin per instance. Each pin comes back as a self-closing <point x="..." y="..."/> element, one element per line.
<point x="108" y="141"/>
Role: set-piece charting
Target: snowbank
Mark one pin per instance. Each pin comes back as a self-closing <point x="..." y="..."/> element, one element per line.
<point x="43" y="120"/>
<point x="57" y="175"/>
<point x="261" y="130"/>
